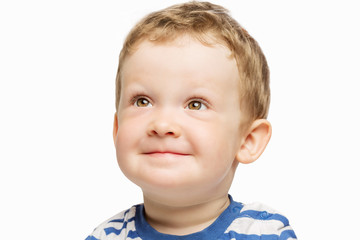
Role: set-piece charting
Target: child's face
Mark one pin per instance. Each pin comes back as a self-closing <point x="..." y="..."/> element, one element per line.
<point x="178" y="128"/>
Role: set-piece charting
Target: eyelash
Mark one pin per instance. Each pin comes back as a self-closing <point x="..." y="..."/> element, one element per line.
<point x="197" y="99"/>
<point x="204" y="102"/>
<point x="136" y="97"/>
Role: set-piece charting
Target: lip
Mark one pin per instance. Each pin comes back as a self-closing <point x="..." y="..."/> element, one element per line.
<point x="165" y="153"/>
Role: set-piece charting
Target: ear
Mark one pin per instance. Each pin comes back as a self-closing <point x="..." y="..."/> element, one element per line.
<point x="116" y="126"/>
<point x="255" y="141"/>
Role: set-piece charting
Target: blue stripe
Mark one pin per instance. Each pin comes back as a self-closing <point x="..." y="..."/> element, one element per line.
<point x="110" y="230"/>
<point x="131" y="234"/>
<point x="238" y="236"/>
<point x="262" y="215"/>
<point x="287" y="234"/>
<point x="122" y="220"/>
<point x="91" y="238"/>
<point x="117" y="220"/>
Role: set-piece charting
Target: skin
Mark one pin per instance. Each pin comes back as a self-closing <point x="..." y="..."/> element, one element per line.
<point x="179" y="131"/>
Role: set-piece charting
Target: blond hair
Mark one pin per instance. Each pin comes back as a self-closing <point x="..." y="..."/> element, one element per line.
<point x="205" y="22"/>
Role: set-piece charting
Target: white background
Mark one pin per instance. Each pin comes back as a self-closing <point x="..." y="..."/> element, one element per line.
<point x="58" y="59"/>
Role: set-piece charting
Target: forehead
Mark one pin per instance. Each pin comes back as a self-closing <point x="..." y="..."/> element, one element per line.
<point x="183" y="56"/>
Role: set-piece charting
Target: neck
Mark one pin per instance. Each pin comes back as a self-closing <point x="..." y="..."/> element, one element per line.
<point x="183" y="220"/>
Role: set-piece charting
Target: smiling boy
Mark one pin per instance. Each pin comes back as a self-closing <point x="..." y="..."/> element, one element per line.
<point x="192" y="100"/>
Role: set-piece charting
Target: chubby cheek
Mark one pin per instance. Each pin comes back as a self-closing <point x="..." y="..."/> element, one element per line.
<point x="120" y="145"/>
<point x="125" y="143"/>
<point x="217" y="144"/>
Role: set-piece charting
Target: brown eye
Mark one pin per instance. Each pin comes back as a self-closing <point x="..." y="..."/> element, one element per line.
<point x="142" y="102"/>
<point x="196" y="105"/>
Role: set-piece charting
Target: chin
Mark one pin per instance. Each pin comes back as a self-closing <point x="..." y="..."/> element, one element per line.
<point x="168" y="183"/>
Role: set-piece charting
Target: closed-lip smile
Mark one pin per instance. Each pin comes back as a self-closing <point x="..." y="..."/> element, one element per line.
<point x="159" y="153"/>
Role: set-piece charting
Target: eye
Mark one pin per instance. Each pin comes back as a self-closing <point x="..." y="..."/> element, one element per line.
<point x="196" y="105"/>
<point x="142" y="102"/>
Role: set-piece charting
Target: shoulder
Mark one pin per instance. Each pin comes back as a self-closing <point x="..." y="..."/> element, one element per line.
<point x="261" y="220"/>
<point x="114" y="226"/>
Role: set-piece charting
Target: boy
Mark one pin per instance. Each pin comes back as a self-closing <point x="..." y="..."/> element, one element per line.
<point x="192" y="96"/>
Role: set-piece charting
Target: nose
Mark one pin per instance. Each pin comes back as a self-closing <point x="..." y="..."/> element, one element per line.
<point x="164" y="125"/>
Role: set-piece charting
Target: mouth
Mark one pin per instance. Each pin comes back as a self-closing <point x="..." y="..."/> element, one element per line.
<point x="164" y="159"/>
<point x="164" y="154"/>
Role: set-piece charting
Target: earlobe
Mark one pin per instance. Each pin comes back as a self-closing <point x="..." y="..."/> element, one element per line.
<point x="115" y="127"/>
<point x="255" y="141"/>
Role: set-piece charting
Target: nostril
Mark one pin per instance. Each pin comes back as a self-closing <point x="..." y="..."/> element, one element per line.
<point x="153" y="132"/>
<point x="163" y="129"/>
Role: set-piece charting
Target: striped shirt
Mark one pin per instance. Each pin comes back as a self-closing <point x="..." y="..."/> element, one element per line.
<point x="239" y="221"/>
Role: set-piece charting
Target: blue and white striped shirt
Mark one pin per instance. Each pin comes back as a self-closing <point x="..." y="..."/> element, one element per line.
<point x="239" y="221"/>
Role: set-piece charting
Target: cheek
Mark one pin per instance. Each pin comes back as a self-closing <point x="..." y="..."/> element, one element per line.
<point x="125" y="138"/>
<point x="216" y="142"/>
<point x="128" y="126"/>
<point x="121" y="146"/>
<point x="124" y="145"/>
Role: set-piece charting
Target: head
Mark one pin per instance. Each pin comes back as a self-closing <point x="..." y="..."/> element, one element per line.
<point x="192" y="97"/>
<point x="210" y="24"/>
